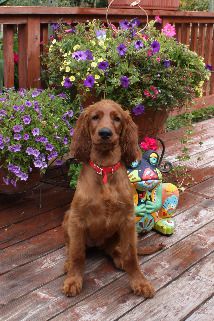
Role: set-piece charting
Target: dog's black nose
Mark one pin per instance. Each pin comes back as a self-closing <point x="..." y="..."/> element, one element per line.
<point x="105" y="133"/>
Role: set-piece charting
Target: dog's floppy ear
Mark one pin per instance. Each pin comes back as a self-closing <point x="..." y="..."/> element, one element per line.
<point x="81" y="141"/>
<point x="129" y="140"/>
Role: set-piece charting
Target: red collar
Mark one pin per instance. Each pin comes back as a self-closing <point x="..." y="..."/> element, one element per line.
<point x="105" y="170"/>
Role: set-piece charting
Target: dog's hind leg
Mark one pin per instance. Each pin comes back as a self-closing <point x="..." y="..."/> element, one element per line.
<point x="112" y="248"/>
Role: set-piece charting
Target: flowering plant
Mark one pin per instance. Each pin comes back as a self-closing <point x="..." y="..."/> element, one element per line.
<point x="36" y="128"/>
<point x="149" y="144"/>
<point x="136" y="67"/>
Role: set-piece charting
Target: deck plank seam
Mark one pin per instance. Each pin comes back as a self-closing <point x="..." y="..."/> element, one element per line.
<point x="198" y="307"/>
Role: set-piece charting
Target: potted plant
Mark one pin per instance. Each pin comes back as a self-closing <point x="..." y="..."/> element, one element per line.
<point x="36" y="129"/>
<point x="146" y="70"/>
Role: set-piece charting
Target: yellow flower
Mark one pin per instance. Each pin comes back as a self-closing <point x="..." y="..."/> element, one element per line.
<point x="100" y="59"/>
<point x="97" y="77"/>
<point x="72" y="78"/>
<point x="93" y="64"/>
<point x="51" y="47"/>
<point x="61" y="68"/>
<point x="65" y="54"/>
<point x="53" y="41"/>
<point x="76" y="47"/>
<point x="67" y="69"/>
<point x="93" y="42"/>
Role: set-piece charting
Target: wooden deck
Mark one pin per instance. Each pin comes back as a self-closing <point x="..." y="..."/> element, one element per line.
<point x="32" y="255"/>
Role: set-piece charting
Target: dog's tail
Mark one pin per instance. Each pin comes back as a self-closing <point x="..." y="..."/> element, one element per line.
<point x="147" y="250"/>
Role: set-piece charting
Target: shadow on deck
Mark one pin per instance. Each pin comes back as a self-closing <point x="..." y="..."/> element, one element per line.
<point x="32" y="255"/>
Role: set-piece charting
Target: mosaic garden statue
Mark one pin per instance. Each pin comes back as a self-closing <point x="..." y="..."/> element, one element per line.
<point x="155" y="201"/>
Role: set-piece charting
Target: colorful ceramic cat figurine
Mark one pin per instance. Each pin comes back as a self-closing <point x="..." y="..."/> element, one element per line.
<point x="155" y="202"/>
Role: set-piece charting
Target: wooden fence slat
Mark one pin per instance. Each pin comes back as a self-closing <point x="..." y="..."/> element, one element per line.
<point x="194" y="36"/>
<point x="8" y="33"/>
<point x="178" y="31"/>
<point x="185" y="33"/>
<point x="33" y="52"/>
<point x="22" y="51"/>
<point x="202" y="29"/>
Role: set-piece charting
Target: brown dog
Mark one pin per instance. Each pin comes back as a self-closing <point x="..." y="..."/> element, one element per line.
<point x="102" y="210"/>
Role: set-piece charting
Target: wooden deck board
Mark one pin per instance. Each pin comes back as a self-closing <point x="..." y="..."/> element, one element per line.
<point x="32" y="254"/>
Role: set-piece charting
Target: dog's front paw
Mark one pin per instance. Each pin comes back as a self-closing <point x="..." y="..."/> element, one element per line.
<point x="143" y="287"/>
<point x="72" y="285"/>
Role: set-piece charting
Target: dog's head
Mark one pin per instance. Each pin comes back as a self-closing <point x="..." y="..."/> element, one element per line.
<point x="105" y="126"/>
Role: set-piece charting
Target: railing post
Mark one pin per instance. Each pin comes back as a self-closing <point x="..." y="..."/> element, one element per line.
<point x="22" y="51"/>
<point x="33" y="52"/>
<point x="8" y="33"/>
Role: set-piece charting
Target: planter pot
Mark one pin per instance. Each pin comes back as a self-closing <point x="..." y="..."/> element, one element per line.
<point x="151" y="123"/>
<point x="148" y="4"/>
<point x="21" y="186"/>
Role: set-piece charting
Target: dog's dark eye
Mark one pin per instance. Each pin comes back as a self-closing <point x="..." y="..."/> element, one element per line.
<point x="117" y="119"/>
<point x="95" y="117"/>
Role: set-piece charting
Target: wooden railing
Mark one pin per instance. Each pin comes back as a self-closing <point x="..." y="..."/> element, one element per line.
<point x="195" y="29"/>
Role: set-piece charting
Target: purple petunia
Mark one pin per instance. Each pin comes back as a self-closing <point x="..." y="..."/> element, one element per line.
<point x="209" y="67"/>
<point x="71" y="132"/>
<point x="89" y="81"/>
<point x="35" y="132"/>
<point x="101" y="34"/>
<point x="55" y="26"/>
<point x="26" y="119"/>
<point x="167" y="63"/>
<point x="62" y="95"/>
<point x="79" y="55"/>
<point x="17" y="136"/>
<point x="51" y="96"/>
<point x="103" y="65"/>
<point x="38" y="163"/>
<point x="28" y="103"/>
<point x="65" y="141"/>
<point x="22" y="176"/>
<point x="138" y="44"/>
<point x="121" y="49"/>
<point x="41" y="139"/>
<point x="35" y="93"/>
<point x="59" y="162"/>
<point x="13" y="169"/>
<point x="3" y="113"/>
<point x="16" y="108"/>
<point x="1" y="145"/>
<point x="32" y="151"/>
<point x="17" y="128"/>
<point x="155" y="45"/>
<point x="67" y="83"/>
<point x="14" y="148"/>
<point x="135" y="22"/>
<point x="2" y="99"/>
<point x="89" y="55"/>
<point x="49" y="147"/>
<point x="138" y="110"/>
<point x="124" y="24"/>
<point x="124" y="81"/>
<point x="53" y="154"/>
<point x="26" y="136"/>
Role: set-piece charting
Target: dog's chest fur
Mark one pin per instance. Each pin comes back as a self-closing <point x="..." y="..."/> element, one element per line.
<point x="106" y="206"/>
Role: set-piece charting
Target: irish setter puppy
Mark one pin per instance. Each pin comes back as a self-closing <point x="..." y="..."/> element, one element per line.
<point x="102" y="211"/>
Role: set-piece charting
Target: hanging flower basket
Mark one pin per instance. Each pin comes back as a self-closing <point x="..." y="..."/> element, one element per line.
<point x="20" y="186"/>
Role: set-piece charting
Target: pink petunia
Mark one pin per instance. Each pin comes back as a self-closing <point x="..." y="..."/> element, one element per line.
<point x="158" y="19"/>
<point x="169" y="30"/>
